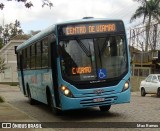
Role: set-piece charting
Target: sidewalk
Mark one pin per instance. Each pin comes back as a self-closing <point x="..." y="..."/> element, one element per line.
<point x="8" y="113"/>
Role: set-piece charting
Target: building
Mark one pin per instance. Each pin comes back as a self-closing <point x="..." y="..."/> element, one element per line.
<point x="144" y="63"/>
<point x="8" y="54"/>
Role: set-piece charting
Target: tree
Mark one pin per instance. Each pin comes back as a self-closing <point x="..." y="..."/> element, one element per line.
<point x="2" y="65"/>
<point x="9" y="31"/>
<point x="29" y="4"/>
<point x="149" y="9"/>
<point x="1" y="43"/>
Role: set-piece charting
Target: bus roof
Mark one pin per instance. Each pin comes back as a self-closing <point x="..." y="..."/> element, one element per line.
<point x="37" y="37"/>
<point x="52" y="29"/>
<point x="87" y="20"/>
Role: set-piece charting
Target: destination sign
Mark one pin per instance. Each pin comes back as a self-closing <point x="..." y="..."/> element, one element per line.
<point x="82" y="29"/>
<point x="81" y="70"/>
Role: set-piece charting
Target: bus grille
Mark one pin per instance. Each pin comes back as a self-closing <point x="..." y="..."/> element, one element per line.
<point x="91" y="94"/>
<point x="98" y="101"/>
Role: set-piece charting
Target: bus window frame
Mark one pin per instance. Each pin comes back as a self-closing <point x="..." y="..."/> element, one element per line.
<point x="28" y="64"/>
<point x="24" y="60"/>
<point x="37" y="55"/>
<point x="33" y="56"/>
<point x="42" y="53"/>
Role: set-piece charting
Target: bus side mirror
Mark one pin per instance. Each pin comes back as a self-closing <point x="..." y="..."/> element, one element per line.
<point x="15" y="47"/>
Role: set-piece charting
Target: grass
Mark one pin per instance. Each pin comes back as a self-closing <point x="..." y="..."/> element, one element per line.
<point x="13" y="84"/>
<point x="10" y="83"/>
<point x="1" y="100"/>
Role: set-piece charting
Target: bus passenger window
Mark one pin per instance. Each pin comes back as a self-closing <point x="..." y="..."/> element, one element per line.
<point x="38" y="55"/>
<point x="45" y="53"/>
<point x="28" y="58"/>
<point x="24" y="58"/>
<point x="33" y="56"/>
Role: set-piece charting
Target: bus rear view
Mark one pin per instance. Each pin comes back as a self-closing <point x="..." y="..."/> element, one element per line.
<point x="93" y="64"/>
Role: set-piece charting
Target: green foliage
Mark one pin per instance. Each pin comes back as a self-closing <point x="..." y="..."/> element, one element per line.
<point x="9" y="31"/>
<point x="1" y="43"/>
<point x="13" y="84"/>
<point x="28" y="4"/>
<point x="1" y="99"/>
<point x="12" y="29"/>
<point x="148" y="9"/>
<point x="2" y="65"/>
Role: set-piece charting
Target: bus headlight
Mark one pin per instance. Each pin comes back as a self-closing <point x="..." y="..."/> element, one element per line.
<point x="66" y="91"/>
<point x="126" y="86"/>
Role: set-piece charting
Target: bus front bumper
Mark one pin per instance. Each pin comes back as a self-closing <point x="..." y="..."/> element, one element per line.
<point x="68" y="103"/>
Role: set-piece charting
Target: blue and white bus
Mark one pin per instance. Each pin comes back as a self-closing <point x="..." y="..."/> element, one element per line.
<point x="76" y="64"/>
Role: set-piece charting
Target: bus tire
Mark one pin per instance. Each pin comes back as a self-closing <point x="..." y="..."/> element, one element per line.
<point x="105" y="108"/>
<point x="31" y="101"/>
<point x="55" y="110"/>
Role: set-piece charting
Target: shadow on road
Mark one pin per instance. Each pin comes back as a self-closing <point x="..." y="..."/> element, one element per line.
<point x="86" y="114"/>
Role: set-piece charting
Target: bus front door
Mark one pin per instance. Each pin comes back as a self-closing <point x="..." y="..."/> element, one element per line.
<point x="22" y="74"/>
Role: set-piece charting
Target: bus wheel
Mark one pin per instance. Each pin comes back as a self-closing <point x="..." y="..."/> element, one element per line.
<point x="51" y="105"/>
<point x="105" y="108"/>
<point x="31" y="101"/>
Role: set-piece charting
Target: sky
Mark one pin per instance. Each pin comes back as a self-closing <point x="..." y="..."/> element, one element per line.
<point x="38" y="18"/>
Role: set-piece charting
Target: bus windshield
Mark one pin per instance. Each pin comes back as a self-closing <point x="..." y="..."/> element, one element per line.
<point x="93" y="58"/>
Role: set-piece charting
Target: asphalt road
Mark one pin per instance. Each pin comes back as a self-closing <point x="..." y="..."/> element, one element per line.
<point x="140" y="109"/>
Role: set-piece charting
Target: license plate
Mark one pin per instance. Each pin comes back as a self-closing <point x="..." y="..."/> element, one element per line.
<point x="98" y="100"/>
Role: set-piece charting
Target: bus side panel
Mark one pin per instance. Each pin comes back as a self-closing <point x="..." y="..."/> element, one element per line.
<point x="20" y="81"/>
<point x="45" y="83"/>
<point x="38" y="81"/>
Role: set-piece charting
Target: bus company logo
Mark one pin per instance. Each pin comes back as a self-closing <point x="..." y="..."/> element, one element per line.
<point x="99" y="91"/>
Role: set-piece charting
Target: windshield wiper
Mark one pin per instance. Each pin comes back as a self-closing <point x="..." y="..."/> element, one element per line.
<point x="104" y="45"/>
<point x="86" y="51"/>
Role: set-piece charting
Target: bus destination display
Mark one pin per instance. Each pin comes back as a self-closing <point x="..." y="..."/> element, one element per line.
<point x="89" y="29"/>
